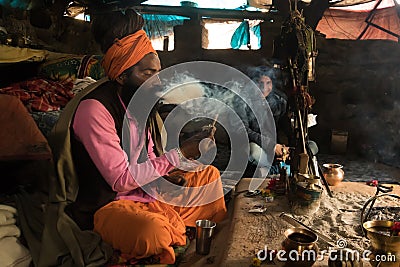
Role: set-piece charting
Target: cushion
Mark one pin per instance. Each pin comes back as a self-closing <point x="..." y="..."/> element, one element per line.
<point x="20" y="138"/>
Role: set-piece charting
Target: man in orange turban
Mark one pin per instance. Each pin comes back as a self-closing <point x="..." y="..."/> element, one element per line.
<point x="110" y="198"/>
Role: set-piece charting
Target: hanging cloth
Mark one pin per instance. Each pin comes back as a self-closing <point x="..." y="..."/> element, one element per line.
<point x="257" y="32"/>
<point x="241" y="36"/>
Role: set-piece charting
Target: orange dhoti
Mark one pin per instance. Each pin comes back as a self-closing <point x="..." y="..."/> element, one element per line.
<point x="140" y="230"/>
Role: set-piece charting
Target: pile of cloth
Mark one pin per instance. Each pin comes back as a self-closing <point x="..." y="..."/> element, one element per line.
<point x="40" y="94"/>
<point x="12" y="252"/>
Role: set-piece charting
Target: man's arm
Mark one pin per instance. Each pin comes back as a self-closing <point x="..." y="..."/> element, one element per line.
<point x="252" y="127"/>
<point x="95" y="128"/>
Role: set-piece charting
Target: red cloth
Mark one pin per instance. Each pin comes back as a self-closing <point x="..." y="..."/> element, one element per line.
<point x="41" y="94"/>
<point x="349" y="24"/>
<point x="125" y="53"/>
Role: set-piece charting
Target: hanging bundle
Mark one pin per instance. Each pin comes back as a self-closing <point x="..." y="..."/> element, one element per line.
<point x="299" y="45"/>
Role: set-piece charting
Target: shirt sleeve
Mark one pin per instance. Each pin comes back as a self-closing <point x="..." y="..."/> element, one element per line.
<point x="94" y="126"/>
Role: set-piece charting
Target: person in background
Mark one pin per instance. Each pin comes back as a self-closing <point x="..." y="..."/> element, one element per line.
<point x="264" y="78"/>
<point x="111" y="200"/>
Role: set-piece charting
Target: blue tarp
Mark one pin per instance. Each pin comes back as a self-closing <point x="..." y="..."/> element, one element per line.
<point x="241" y="36"/>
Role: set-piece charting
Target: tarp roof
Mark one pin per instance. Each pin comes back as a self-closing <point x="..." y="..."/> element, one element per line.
<point x="234" y="4"/>
<point x="223" y="4"/>
<point x="367" y="6"/>
<point x="377" y="19"/>
<point x="345" y="19"/>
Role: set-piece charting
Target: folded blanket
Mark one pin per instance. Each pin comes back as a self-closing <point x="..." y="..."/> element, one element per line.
<point x="13" y="253"/>
<point x="5" y="215"/>
<point x="8" y="208"/>
<point x="9" y="230"/>
<point x="9" y="221"/>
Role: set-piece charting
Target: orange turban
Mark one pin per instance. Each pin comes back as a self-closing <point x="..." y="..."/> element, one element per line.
<point x="125" y="53"/>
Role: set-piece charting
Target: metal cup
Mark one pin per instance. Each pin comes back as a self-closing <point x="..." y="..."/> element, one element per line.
<point x="204" y="234"/>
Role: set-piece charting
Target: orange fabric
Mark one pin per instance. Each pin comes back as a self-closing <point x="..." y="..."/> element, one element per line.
<point x="214" y="211"/>
<point x="126" y="53"/>
<point x="140" y="230"/>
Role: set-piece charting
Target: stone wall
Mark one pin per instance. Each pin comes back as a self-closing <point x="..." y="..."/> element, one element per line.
<point x="358" y="90"/>
<point x="188" y="47"/>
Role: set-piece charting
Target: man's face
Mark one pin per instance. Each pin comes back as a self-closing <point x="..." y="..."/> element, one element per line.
<point x="265" y="85"/>
<point x="142" y="71"/>
<point x="138" y="74"/>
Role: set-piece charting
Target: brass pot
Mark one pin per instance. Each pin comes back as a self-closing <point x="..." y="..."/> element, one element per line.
<point x="333" y="173"/>
<point x="382" y="242"/>
<point x="300" y="247"/>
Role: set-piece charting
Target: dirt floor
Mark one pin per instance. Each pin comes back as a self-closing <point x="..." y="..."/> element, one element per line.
<point x="242" y="235"/>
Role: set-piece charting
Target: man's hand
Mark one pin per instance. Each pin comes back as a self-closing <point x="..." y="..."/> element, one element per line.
<point x="176" y="177"/>
<point x="198" y="143"/>
<point x="281" y="152"/>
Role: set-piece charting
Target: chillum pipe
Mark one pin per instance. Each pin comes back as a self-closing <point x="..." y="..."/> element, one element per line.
<point x="215" y="120"/>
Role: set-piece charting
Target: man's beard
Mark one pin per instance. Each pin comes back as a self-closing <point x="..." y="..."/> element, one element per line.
<point x="127" y="93"/>
<point x="149" y="98"/>
<point x="129" y="89"/>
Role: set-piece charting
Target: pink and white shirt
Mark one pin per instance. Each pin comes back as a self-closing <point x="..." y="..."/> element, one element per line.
<point x="94" y="127"/>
